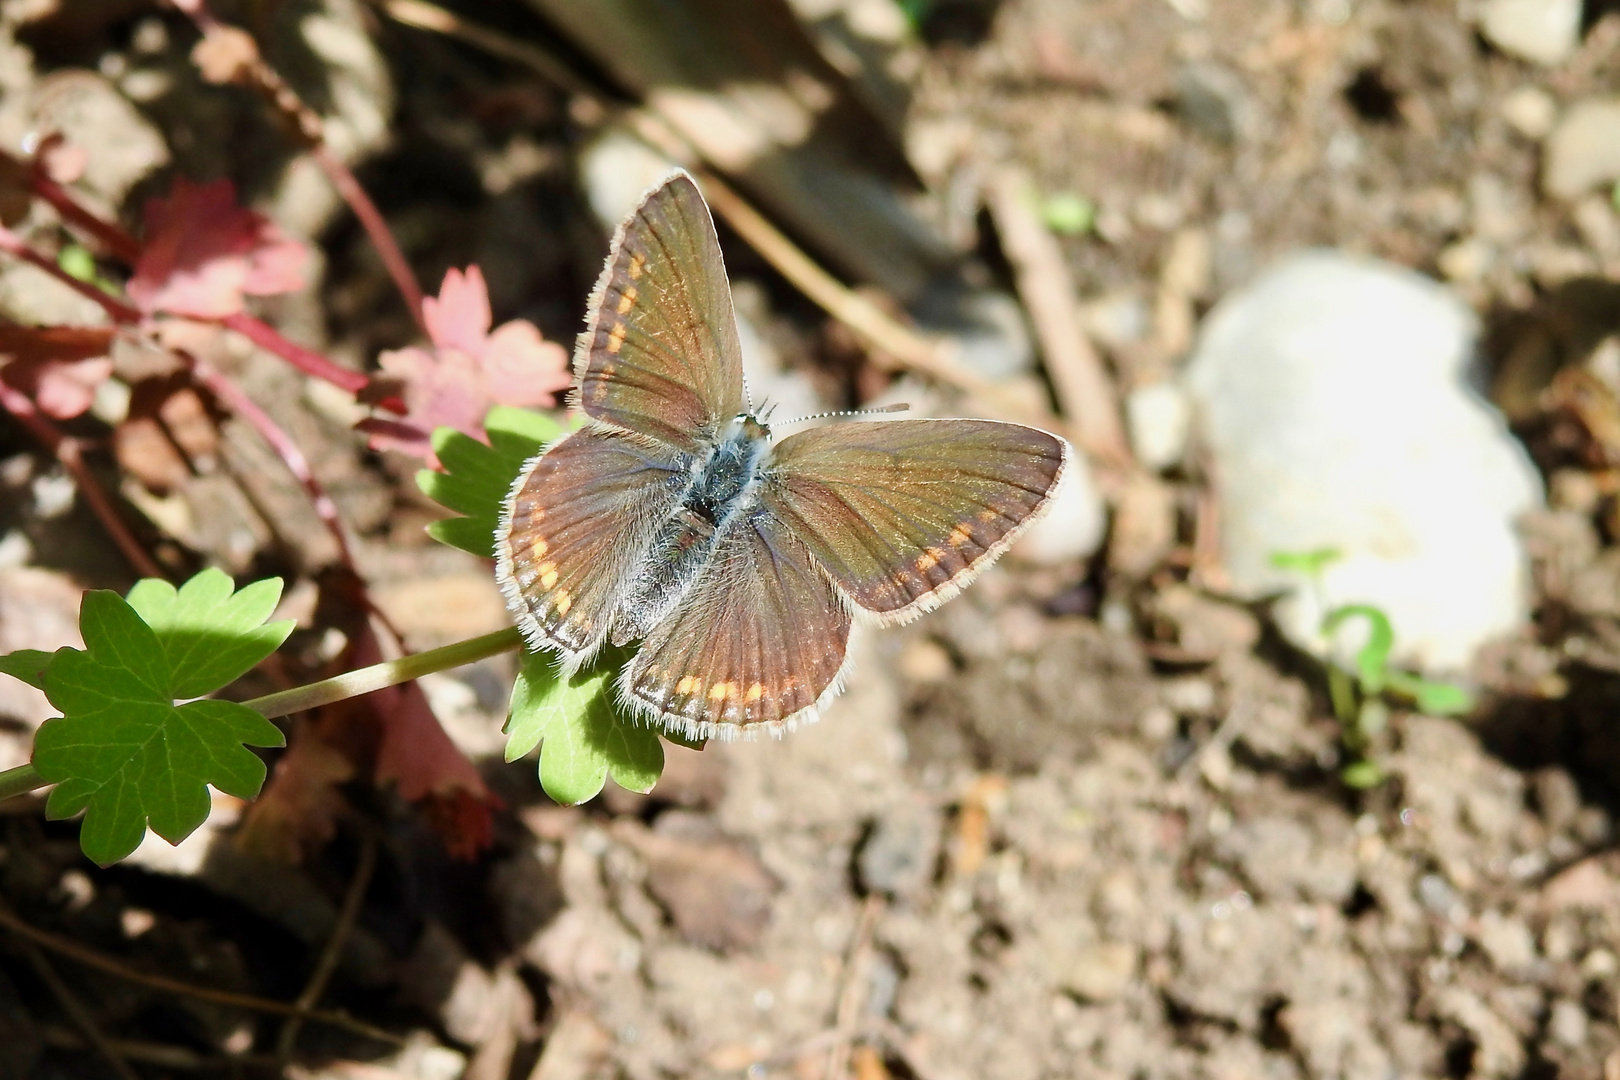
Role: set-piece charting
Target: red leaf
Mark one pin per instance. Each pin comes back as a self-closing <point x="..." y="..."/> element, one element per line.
<point x="466" y="370"/>
<point x="203" y="253"/>
<point x="58" y="366"/>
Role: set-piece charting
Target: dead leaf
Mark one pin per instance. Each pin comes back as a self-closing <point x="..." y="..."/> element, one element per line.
<point x="299" y="808"/>
<point x="203" y="253"/>
<point x="466" y="370"/>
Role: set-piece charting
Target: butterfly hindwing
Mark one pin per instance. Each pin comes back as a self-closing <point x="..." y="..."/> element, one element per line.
<point x="756" y="644"/>
<point x="660" y="354"/>
<point x="576" y="528"/>
<point x="902" y="515"/>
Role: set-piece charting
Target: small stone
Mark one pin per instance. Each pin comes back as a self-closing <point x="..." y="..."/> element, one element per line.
<point x="1542" y="31"/>
<point x="1567" y="1023"/>
<point x="1158" y="417"/>
<point x="924" y="660"/>
<point x="716" y="892"/>
<point x="1210" y="100"/>
<point x="1102" y="971"/>
<point x="1583" y="151"/>
<point x="1144" y="525"/>
<point x="898" y="856"/>
<point x="1507" y="941"/>
<point x="1531" y="111"/>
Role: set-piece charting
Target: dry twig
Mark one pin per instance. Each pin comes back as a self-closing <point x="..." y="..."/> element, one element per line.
<point x="90" y="958"/>
<point x="1084" y="391"/>
<point x="348" y="915"/>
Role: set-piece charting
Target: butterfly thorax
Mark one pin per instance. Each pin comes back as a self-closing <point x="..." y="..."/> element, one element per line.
<point x="721" y="488"/>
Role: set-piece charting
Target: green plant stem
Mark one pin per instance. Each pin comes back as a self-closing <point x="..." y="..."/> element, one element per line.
<point x="24" y="778"/>
<point x="388" y="673"/>
<point x="19" y="781"/>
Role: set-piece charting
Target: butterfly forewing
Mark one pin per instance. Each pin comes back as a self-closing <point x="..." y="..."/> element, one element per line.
<point x="902" y="515"/>
<point x="660" y="354"/>
<point x="578" y="524"/>
<point x="756" y="644"/>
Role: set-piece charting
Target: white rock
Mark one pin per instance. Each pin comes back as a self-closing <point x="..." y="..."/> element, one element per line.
<point x="1543" y="31"/>
<point x="1584" y="149"/>
<point x="1157" y="416"/>
<point x="1531" y="111"/>
<point x="1073" y="528"/>
<point x="1331" y="393"/>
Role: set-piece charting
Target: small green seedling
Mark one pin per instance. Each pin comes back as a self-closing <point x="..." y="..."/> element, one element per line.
<point x="1069" y="214"/>
<point x="1361" y="694"/>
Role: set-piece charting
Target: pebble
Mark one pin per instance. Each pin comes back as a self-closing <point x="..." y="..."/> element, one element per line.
<point x="1102" y="971"/>
<point x="1331" y="395"/>
<point x="1531" y="111"/>
<point x="1542" y="31"/>
<point x="898" y="856"/>
<point x="1158" y="417"/>
<point x="1583" y="149"/>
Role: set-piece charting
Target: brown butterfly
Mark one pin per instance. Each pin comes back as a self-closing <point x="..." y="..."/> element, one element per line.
<point x="739" y="563"/>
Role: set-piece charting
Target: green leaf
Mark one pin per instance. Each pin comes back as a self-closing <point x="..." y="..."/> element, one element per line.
<point x="28" y="665"/>
<point x="1310" y="563"/>
<point x="476" y="477"/>
<point x="1433" y="698"/>
<point x="122" y="751"/>
<point x="1069" y="214"/>
<point x="581" y="733"/>
<point x="1362" y="775"/>
<point x="1372" y="660"/>
<point x="211" y="635"/>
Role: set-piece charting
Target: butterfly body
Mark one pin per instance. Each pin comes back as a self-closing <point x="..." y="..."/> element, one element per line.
<point x="721" y="485"/>
<point x="740" y="563"/>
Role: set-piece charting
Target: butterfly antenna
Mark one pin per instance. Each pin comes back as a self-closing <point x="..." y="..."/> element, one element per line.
<point x="901" y="407"/>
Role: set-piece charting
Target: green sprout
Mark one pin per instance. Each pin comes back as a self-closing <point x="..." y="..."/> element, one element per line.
<point x="1069" y="214"/>
<point x="1361" y="694"/>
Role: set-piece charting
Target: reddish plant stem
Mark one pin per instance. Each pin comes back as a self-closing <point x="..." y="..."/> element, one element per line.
<point x="311" y="128"/>
<point x="67" y="451"/>
<point x="371" y="219"/>
<point x="17" y="247"/>
<point x="282" y="443"/>
<point x="117" y="242"/>
<point x="308" y="361"/>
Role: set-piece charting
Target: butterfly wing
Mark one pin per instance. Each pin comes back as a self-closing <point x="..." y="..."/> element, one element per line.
<point x="758" y="643"/>
<point x="903" y="515"/>
<point x="659" y="355"/>
<point x="577" y="524"/>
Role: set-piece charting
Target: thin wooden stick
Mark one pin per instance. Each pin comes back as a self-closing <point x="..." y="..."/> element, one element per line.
<point x="327" y="964"/>
<point x="67" y="451"/>
<point x="1084" y="391"/>
<point x="71" y="1005"/>
<point x="90" y="958"/>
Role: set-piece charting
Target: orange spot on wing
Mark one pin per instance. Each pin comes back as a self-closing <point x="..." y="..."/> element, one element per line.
<point x="929" y="559"/>
<point x="627" y="299"/>
<point x="539" y="548"/>
<point x="565" y="600"/>
<point x="616" y="337"/>
<point x="688" y="684"/>
<point x="987" y="515"/>
<point x="755" y="692"/>
<point x="638" y="265"/>
<point x="548" y="575"/>
<point x="722" y="690"/>
<point x="959" y="536"/>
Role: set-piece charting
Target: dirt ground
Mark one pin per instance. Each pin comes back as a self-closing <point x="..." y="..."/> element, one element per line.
<point x="1084" y="821"/>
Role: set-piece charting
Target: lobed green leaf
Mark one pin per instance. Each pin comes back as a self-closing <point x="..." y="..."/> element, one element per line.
<point x="211" y="634"/>
<point x="122" y="751"/>
<point x="28" y="665"/>
<point x="581" y="733"/>
<point x="477" y="477"/>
